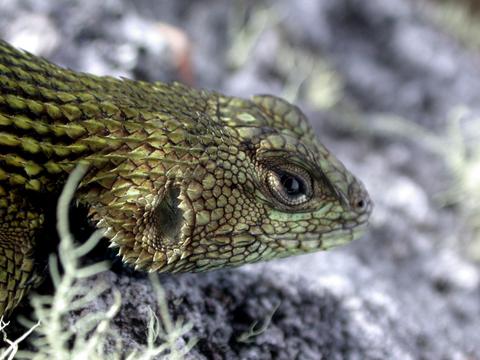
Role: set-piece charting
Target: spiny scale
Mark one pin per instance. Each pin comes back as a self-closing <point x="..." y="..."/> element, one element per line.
<point x="176" y="175"/>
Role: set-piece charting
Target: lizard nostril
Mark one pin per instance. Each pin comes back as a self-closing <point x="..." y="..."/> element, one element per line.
<point x="361" y="204"/>
<point x="359" y="200"/>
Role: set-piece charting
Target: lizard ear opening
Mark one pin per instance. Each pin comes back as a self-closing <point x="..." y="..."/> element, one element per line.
<point x="167" y="218"/>
<point x="152" y="236"/>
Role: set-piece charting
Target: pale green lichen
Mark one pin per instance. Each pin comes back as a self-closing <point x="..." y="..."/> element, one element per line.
<point x="462" y="156"/>
<point x="304" y="72"/>
<point x="458" y="148"/>
<point x="87" y="338"/>
<point x="255" y="329"/>
<point x="456" y="18"/>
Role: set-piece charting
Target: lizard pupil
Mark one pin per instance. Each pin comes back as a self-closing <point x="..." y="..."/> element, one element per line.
<point x="292" y="185"/>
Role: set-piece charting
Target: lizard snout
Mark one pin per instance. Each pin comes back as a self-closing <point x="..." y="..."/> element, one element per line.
<point x="359" y="199"/>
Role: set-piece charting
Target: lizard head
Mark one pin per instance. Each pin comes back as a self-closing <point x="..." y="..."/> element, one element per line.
<point x="293" y="195"/>
<point x="246" y="181"/>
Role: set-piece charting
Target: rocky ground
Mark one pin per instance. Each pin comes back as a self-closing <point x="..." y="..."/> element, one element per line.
<point x="404" y="291"/>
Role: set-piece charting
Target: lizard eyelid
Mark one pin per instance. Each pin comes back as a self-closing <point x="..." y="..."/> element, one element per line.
<point x="290" y="185"/>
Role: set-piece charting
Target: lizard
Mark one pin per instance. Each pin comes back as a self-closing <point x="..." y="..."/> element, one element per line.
<point x="179" y="179"/>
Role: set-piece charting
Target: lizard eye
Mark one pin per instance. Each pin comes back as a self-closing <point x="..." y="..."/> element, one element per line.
<point x="291" y="187"/>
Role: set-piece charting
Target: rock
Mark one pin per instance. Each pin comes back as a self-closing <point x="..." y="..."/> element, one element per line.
<point x="406" y="290"/>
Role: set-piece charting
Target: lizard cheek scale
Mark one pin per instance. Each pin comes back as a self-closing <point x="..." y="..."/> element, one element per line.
<point x="180" y="179"/>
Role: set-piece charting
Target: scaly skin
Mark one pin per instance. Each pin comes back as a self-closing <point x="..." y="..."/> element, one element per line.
<point x="180" y="179"/>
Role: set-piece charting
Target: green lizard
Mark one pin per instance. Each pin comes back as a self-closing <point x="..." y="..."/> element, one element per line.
<point x="180" y="179"/>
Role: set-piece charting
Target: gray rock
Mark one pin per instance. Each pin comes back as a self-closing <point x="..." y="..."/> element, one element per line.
<point x="405" y="291"/>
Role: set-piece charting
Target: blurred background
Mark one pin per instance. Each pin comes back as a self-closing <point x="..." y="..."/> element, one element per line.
<point x="391" y="87"/>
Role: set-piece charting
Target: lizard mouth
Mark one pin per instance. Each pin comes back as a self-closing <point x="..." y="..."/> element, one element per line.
<point x="314" y="241"/>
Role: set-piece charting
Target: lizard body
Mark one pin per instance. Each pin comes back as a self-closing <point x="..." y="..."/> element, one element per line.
<point x="180" y="179"/>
